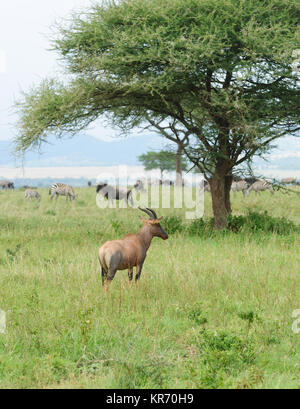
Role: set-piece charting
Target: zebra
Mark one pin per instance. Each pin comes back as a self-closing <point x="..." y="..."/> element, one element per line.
<point x="240" y="186"/>
<point x="61" y="189"/>
<point x="32" y="194"/>
<point x="260" y="186"/>
<point x="139" y="186"/>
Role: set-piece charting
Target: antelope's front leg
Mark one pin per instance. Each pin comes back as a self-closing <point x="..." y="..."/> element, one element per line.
<point x="138" y="272"/>
<point x="130" y="275"/>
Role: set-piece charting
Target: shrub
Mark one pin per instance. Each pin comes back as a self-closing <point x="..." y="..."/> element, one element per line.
<point x="223" y="354"/>
<point x="199" y="227"/>
<point x="173" y="224"/>
<point x="196" y="314"/>
<point x="261" y="222"/>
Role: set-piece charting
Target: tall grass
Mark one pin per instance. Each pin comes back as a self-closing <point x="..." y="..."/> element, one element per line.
<point x="212" y="310"/>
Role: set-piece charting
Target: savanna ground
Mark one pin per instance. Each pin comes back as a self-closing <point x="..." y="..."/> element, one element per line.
<point x="212" y="310"/>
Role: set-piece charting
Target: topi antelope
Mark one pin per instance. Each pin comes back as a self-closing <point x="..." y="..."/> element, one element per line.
<point x="130" y="251"/>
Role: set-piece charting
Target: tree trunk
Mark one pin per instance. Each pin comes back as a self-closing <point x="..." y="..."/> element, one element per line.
<point x="178" y="181"/>
<point x="227" y="187"/>
<point x="220" y="185"/>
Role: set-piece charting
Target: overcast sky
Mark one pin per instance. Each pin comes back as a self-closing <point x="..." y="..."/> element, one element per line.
<point x="25" y="59"/>
<point x="25" y="26"/>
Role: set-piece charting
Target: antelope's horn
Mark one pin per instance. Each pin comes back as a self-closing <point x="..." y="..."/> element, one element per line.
<point x="153" y="212"/>
<point x="147" y="212"/>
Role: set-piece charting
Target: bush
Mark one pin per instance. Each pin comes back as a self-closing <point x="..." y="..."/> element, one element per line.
<point x="173" y="224"/>
<point x="199" y="227"/>
<point x="261" y="222"/>
<point x="223" y="354"/>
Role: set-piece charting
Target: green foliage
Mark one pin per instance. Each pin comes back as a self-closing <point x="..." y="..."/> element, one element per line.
<point x="200" y="227"/>
<point x="262" y="222"/>
<point x="50" y="212"/>
<point x="196" y="314"/>
<point x="222" y="355"/>
<point x="214" y="66"/>
<point x="117" y="226"/>
<point x="173" y="224"/>
<point x="12" y="254"/>
<point x="163" y="160"/>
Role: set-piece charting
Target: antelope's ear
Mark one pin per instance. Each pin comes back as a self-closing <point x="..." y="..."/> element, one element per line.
<point x="143" y="220"/>
<point x="159" y="219"/>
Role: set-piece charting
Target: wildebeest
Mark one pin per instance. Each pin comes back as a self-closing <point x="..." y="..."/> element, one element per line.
<point x="61" y="189"/>
<point x="6" y="184"/>
<point x="260" y="186"/>
<point x="130" y="251"/>
<point x="114" y="193"/>
<point x="32" y="194"/>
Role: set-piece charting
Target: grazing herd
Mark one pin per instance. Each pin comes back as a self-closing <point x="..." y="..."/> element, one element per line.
<point x="111" y="193"/>
<point x="131" y="251"/>
<point x="246" y="186"/>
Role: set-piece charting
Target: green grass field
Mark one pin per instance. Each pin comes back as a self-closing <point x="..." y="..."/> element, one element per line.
<point x="211" y="311"/>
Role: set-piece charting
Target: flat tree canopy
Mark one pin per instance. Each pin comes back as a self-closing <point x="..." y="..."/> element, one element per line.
<point x="222" y="70"/>
<point x="163" y="160"/>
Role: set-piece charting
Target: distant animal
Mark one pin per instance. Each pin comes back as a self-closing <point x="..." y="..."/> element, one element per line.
<point x="288" y="181"/>
<point x="251" y="180"/>
<point x="204" y="186"/>
<point x="139" y="186"/>
<point x="130" y="251"/>
<point x="32" y="194"/>
<point x="260" y="186"/>
<point x="61" y="189"/>
<point x="240" y="186"/>
<point x="167" y="182"/>
<point x="114" y="193"/>
<point x="6" y="184"/>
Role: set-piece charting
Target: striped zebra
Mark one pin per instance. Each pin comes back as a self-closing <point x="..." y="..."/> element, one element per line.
<point x="260" y="186"/>
<point x="240" y="186"/>
<point x="61" y="189"/>
<point x="32" y="194"/>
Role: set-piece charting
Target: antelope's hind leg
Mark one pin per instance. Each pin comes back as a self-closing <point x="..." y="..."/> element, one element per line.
<point x="103" y="275"/>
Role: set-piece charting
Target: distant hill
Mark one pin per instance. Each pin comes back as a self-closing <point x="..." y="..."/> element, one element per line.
<point x="84" y="150"/>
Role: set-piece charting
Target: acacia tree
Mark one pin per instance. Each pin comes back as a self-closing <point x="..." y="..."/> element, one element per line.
<point x="219" y="71"/>
<point x="162" y="160"/>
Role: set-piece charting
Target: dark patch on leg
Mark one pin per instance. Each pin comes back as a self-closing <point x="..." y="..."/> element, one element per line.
<point x="104" y="275"/>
